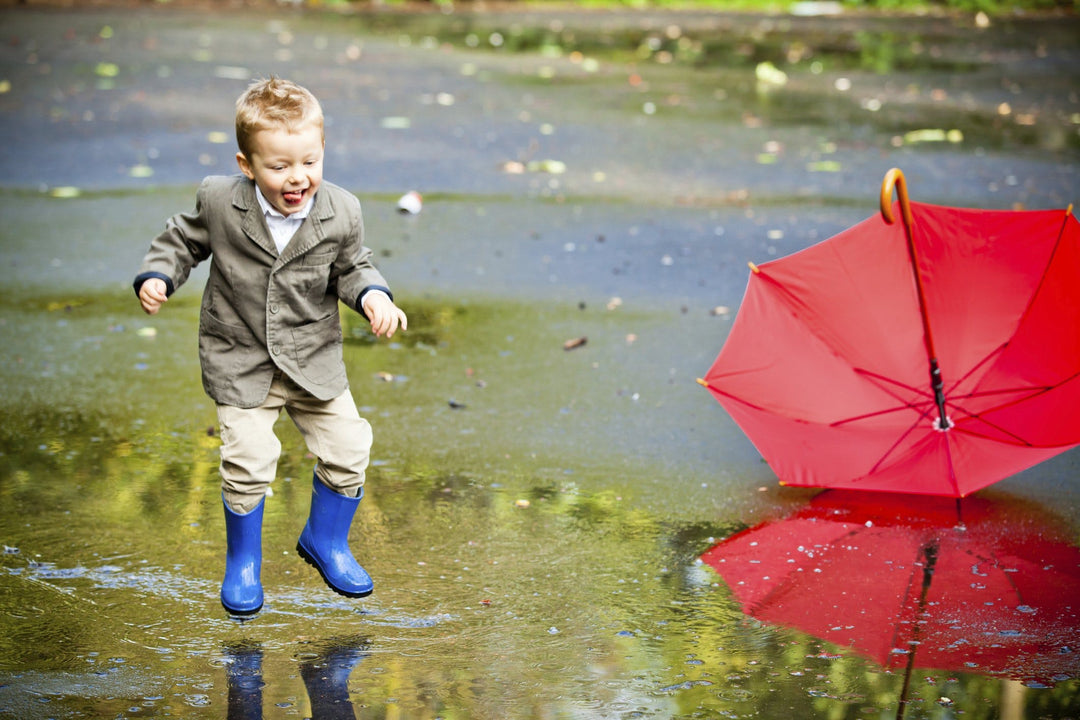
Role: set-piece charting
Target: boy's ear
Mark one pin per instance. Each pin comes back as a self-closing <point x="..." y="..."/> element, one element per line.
<point x="245" y="166"/>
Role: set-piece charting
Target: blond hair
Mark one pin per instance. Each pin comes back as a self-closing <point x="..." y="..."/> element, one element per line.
<point x="274" y="103"/>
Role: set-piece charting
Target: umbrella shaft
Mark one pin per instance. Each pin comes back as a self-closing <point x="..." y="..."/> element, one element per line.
<point x="938" y="386"/>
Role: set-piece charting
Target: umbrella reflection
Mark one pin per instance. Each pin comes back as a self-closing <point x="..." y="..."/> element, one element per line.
<point x="325" y="674"/>
<point x="975" y="585"/>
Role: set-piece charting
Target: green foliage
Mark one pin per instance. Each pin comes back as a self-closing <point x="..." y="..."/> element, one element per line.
<point x="991" y="7"/>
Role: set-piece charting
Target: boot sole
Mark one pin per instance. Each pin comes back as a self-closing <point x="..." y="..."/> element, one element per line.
<point x="311" y="561"/>
<point x="241" y="613"/>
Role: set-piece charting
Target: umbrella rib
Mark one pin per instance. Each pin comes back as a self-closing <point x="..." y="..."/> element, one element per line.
<point x="887" y="384"/>
<point x="923" y="413"/>
<point x="1034" y="392"/>
<point x="922" y="410"/>
<point x="899" y="441"/>
<point x="887" y="381"/>
<point x="736" y="398"/>
<point x="922" y="407"/>
<point x="1049" y="261"/>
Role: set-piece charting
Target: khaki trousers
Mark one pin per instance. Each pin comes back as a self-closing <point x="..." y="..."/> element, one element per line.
<point x="334" y="432"/>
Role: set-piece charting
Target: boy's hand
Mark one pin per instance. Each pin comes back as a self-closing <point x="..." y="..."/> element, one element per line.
<point x="384" y="315"/>
<point x="152" y="295"/>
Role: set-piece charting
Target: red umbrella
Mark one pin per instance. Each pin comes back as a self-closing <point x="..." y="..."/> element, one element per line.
<point x="905" y="583"/>
<point x="933" y="356"/>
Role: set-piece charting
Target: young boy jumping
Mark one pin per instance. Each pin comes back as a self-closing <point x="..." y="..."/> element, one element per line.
<point x="284" y="247"/>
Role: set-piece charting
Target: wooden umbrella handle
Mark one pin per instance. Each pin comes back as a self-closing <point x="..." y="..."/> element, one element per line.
<point x="895" y="178"/>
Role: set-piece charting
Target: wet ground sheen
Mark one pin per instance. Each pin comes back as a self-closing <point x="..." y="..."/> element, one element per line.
<point x="535" y="516"/>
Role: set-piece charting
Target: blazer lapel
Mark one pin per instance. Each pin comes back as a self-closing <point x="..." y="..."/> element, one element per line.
<point x="253" y="224"/>
<point x="310" y="232"/>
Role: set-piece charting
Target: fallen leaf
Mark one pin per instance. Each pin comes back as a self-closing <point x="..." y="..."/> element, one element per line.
<point x="575" y="343"/>
<point x="769" y="74"/>
<point x="933" y="135"/>
<point x="65" y="305"/>
<point x="554" y="167"/>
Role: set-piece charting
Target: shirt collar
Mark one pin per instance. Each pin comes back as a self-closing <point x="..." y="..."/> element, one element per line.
<point x="269" y="209"/>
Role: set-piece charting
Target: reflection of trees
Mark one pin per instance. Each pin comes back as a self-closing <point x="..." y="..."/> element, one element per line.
<point x="500" y="591"/>
<point x="485" y="606"/>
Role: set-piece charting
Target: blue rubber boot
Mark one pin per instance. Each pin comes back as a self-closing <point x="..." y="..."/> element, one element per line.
<point x="325" y="541"/>
<point x="241" y="590"/>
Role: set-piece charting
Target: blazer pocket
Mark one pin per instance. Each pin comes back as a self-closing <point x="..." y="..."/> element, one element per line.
<point x="318" y="349"/>
<point x="319" y="258"/>
<point x="224" y="350"/>
<point x="220" y="336"/>
<point x="313" y="274"/>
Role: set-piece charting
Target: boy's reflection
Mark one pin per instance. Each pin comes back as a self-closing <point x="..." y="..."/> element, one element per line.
<point x="326" y="678"/>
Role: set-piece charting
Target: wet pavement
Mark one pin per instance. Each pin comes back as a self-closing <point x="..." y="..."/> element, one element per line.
<point x="536" y="517"/>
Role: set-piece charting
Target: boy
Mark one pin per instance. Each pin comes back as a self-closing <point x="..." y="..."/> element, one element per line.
<point x="284" y="248"/>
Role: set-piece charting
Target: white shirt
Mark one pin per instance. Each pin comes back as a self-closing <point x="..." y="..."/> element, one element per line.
<point x="282" y="227"/>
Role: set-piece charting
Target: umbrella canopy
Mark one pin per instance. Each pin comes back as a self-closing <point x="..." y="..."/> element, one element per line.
<point x="933" y="356"/>
<point x="901" y="580"/>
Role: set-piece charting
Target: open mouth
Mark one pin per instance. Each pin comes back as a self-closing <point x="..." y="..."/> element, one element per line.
<point x="294" y="197"/>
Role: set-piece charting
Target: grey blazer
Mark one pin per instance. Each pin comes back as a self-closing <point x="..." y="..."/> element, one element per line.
<point x="261" y="311"/>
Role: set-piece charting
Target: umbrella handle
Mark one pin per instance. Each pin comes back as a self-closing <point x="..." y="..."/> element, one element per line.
<point x="895" y="178"/>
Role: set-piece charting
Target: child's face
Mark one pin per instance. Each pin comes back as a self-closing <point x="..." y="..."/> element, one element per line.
<point x="287" y="166"/>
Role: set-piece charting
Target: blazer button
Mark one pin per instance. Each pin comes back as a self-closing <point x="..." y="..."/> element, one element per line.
<point x="273" y="307"/>
<point x="276" y="349"/>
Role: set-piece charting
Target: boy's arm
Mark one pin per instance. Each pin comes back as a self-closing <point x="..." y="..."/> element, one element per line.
<point x="362" y="287"/>
<point x="172" y="254"/>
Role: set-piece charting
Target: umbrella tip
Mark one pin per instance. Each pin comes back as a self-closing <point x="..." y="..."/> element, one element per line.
<point x="754" y="268"/>
<point x="701" y="381"/>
